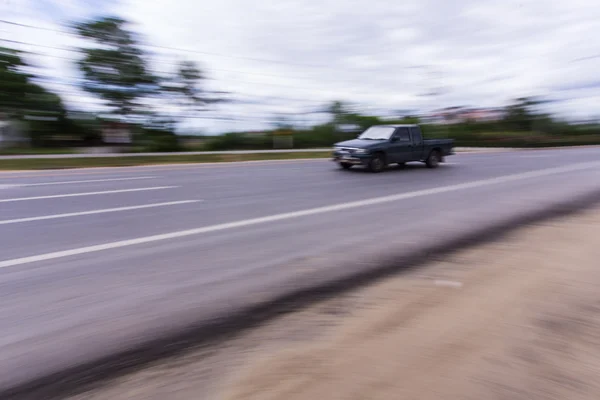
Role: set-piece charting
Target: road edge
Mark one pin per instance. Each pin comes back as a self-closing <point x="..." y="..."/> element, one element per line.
<point x="245" y="152"/>
<point x="85" y="376"/>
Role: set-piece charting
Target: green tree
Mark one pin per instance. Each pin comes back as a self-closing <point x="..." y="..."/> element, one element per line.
<point x="23" y="99"/>
<point x="338" y="111"/>
<point x="184" y="89"/>
<point x="18" y="92"/>
<point x="522" y="114"/>
<point x="282" y="121"/>
<point x="185" y="85"/>
<point x="115" y="69"/>
<point x="14" y="83"/>
<point x="361" y="121"/>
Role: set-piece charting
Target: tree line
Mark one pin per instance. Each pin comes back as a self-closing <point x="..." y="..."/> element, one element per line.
<point x="116" y="69"/>
<point x="520" y="124"/>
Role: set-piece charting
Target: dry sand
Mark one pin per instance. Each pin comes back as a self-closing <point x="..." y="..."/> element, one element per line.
<point x="516" y="319"/>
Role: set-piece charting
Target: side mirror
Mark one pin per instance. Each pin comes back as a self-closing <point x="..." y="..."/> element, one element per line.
<point x="394" y="139"/>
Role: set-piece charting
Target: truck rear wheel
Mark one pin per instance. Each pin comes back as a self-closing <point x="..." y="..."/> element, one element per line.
<point x="434" y="159"/>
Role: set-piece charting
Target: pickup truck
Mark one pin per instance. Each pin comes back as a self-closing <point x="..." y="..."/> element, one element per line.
<point x="382" y="145"/>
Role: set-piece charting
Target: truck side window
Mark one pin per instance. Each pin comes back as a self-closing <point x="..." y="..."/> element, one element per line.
<point x="416" y="134"/>
<point x="403" y="135"/>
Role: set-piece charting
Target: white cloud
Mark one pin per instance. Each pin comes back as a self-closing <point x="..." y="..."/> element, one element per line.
<point x="383" y="53"/>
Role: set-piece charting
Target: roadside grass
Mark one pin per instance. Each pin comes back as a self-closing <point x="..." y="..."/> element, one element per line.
<point x="36" y="150"/>
<point x="89" y="162"/>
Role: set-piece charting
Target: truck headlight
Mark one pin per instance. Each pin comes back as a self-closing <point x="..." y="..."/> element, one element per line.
<point x="360" y="151"/>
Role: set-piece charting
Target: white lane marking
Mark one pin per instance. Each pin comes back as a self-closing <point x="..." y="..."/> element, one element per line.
<point x="86" y="181"/>
<point x="56" y="196"/>
<point x="103" y="211"/>
<point x="296" y="214"/>
<point x="8" y="186"/>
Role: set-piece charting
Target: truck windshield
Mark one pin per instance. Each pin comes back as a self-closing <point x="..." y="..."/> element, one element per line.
<point x="377" y="133"/>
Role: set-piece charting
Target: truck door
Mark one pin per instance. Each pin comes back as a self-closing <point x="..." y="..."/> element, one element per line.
<point x="401" y="147"/>
<point x="417" y="141"/>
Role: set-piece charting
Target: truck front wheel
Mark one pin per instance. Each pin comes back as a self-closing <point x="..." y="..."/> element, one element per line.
<point x="434" y="159"/>
<point x="377" y="163"/>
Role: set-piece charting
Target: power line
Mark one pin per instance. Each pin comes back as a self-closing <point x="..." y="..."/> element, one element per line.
<point x="586" y="58"/>
<point x="54" y="55"/>
<point x="90" y="101"/>
<point x="36" y="45"/>
<point x="31" y="26"/>
<point x="88" y="98"/>
<point x="275" y="98"/>
<point x="182" y="50"/>
<point x="592" y="57"/>
<point x="169" y="72"/>
<point x="50" y="81"/>
<point x="170" y="63"/>
<point x="82" y="98"/>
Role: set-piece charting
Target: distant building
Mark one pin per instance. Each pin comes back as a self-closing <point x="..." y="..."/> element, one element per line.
<point x="482" y="115"/>
<point x="455" y="115"/>
<point x="11" y="133"/>
<point x="116" y="133"/>
<point x="116" y="136"/>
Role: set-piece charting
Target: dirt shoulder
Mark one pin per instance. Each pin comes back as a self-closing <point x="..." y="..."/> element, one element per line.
<point x="516" y="319"/>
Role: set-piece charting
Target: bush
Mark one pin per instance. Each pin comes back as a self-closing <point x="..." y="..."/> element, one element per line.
<point x="239" y="141"/>
<point x="156" y="141"/>
<point x="164" y="144"/>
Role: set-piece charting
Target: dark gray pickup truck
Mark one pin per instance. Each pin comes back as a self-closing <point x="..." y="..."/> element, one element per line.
<point x="381" y="145"/>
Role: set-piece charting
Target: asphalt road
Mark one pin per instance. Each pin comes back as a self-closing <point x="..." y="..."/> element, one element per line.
<point x="94" y="260"/>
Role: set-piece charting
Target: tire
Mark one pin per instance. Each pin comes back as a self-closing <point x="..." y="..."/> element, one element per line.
<point x="377" y="163"/>
<point x="345" y="165"/>
<point x="434" y="159"/>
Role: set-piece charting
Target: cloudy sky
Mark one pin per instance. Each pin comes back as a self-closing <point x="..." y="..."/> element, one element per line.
<point x="289" y="57"/>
